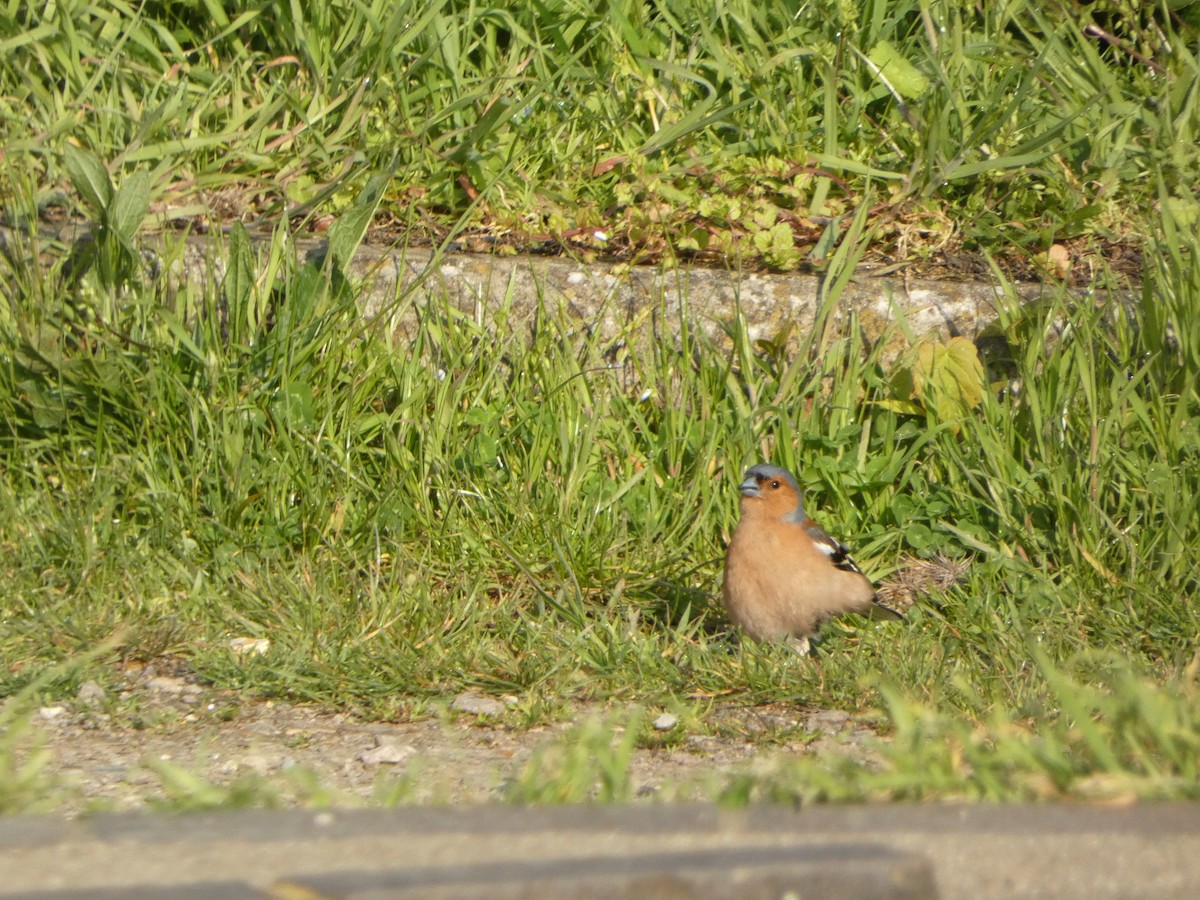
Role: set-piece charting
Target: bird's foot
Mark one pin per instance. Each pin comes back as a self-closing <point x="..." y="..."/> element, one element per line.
<point x="800" y="645"/>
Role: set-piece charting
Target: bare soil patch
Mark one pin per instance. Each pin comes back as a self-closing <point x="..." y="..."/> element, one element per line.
<point x="191" y="745"/>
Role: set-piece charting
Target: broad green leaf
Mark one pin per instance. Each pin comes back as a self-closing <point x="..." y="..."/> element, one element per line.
<point x="239" y="280"/>
<point x="129" y="207"/>
<point x="918" y="536"/>
<point x="90" y="179"/>
<point x="901" y="74"/>
<point x="1185" y="211"/>
<point x="951" y="378"/>
<point x="293" y="403"/>
<point x="347" y="232"/>
<point x="307" y="287"/>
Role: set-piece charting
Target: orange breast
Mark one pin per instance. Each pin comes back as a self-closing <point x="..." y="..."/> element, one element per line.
<point x="778" y="584"/>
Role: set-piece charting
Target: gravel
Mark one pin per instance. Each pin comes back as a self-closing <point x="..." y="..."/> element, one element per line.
<point x="129" y="751"/>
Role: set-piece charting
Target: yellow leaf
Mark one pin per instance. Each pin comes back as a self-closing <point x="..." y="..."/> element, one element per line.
<point x="947" y="379"/>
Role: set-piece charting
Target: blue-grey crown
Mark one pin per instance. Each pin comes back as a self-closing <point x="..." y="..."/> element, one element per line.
<point x="768" y="471"/>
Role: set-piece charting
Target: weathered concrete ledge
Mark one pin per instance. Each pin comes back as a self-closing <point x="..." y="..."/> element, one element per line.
<point x="880" y="851"/>
<point x="399" y="285"/>
<point x="610" y="298"/>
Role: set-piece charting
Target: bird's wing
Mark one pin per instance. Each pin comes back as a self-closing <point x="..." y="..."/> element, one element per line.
<point x="839" y="555"/>
<point x="837" y="552"/>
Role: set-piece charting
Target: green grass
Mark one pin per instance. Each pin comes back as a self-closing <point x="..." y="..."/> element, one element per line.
<point x="747" y="134"/>
<point x="544" y="514"/>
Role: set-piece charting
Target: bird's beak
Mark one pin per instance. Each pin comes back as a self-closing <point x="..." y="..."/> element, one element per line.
<point x="749" y="488"/>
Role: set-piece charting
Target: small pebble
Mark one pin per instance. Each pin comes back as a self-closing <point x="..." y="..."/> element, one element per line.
<point x="827" y="721"/>
<point x="263" y="763"/>
<point x="90" y="693"/>
<point x="477" y="705"/>
<point x="665" y="722"/>
<point x="161" y="684"/>
<point x="387" y="752"/>
<point x="245" y="646"/>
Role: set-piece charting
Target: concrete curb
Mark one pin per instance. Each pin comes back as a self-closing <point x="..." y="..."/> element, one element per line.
<point x="400" y="285"/>
<point x="891" y="851"/>
<point x="609" y="298"/>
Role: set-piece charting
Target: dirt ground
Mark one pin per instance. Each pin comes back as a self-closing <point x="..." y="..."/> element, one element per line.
<point x="190" y="745"/>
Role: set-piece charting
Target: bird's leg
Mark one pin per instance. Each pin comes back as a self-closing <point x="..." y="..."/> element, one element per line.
<point x="800" y="645"/>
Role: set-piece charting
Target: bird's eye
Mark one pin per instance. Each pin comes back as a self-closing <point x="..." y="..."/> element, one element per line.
<point x="774" y="485"/>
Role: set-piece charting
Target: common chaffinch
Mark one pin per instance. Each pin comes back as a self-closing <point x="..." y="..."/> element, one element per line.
<point x="784" y="575"/>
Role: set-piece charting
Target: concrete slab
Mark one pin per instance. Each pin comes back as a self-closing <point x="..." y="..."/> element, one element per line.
<point x="952" y="851"/>
<point x="852" y="872"/>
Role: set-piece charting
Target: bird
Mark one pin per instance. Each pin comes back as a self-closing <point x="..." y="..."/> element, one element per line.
<point x="784" y="576"/>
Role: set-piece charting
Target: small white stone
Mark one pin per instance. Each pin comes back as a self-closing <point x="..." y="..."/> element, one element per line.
<point x="246" y="646"/>
<point x="164" y="685"/>
<point x="827" y="721"/>
<point x="388" y="753"/>
<point x="477" y="705"/>
<point x="665" y="722"/>
<point x="90" y="693"/>
<point x="262" y="763"/>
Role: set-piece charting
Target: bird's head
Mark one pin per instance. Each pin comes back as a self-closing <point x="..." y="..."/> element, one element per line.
<point x="772" y="491"/>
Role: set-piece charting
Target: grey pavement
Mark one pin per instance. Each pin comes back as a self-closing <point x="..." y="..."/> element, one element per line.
<point x="884" y="851"/>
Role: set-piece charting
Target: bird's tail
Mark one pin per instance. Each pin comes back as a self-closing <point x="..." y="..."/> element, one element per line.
<point x="877" y="612"/>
